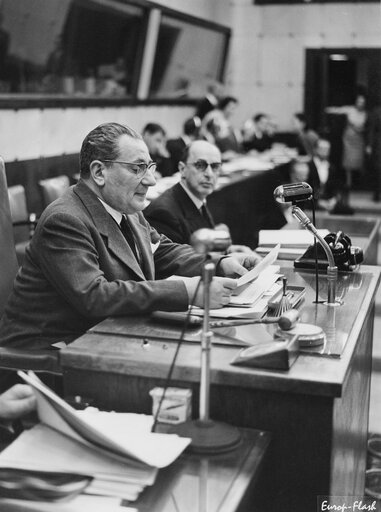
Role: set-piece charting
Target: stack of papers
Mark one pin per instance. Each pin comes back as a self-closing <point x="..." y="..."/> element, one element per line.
<point x="117" y="450"/>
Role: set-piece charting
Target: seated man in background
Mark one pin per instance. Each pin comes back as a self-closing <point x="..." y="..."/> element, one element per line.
<point x="182" y="209"/>
<point x="154" y="137"/>
<point x="94" y="255"/>
<point x="176" y="147"/>
<point x="256" y="136"/>
<point x="328" y="191"/>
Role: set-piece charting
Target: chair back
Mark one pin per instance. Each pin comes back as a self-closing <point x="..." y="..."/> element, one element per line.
<point x="19" y="212"/>
<point x="53" y="188"/>
<point x="8" y="258"/>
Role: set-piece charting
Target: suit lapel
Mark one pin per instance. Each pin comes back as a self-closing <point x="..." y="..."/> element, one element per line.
<point x="194" y="220"/>
<point x="108" y="228"/>
<point x="142" y="237"/>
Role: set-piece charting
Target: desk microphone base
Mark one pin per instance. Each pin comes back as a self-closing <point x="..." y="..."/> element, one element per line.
<point x="209" y="436"/>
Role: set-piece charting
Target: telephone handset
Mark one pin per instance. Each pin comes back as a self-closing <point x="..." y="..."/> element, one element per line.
<point x="346" y="256"/>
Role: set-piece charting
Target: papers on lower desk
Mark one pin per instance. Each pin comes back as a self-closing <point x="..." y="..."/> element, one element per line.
<point x="117" y="450"/>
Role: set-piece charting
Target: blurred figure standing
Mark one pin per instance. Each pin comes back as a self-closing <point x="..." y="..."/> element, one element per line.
<point x="211" y="99"/>
<point x="217" y="128"/>
<point x="175" y="147"/>
<point x="353" y="159"/>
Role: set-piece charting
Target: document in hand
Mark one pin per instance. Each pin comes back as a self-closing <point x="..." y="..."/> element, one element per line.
<point x="260" y="267"/>
<point x="157" y="450"/>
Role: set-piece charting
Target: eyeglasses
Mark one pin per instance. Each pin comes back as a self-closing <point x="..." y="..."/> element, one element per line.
<point x="202" y="165"/>
<point x="139" y="170"/>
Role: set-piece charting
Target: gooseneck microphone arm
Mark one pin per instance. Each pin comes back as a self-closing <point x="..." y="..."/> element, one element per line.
<point x="332" y="268"/>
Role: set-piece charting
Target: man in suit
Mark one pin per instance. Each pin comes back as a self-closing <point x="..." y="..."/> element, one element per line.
<point x="256" y="134"/>
<point x="323" y="179"/>
<point x="182" y="209"/>
<point x="94" y="255"/>
<point x="154" y="136"/>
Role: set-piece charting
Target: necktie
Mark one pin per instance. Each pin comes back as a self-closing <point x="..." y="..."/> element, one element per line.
<point x="128" y="235"/>
<point x="207" y="216"/>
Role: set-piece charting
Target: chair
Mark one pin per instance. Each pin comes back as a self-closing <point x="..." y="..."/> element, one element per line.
<point x="13" y="358"/>
<point x="53" y="188"/>
<point x="24" y="223"/>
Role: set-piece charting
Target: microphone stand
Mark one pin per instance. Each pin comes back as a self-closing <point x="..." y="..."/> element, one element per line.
<point x="332" y="268"/>
<point x="208" y="436"/>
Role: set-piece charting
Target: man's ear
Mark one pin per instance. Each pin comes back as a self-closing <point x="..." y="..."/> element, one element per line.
<point x="181" y="167"/>
<point x="97" y="172"/>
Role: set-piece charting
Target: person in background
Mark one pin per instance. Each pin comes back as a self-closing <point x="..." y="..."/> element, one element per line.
<point x="210" y="101"/>
<point x="94" y="255"/>
<point x="175" y="147"/>
<point x="182" y="209"/>
<point x="154" y="137"/>
<point x="324" y="179"/>
<point x="219" y="128"/>
<point x="306" y="138"/>
<point x="353" y="158"/>
<point x="256" y="135"/>
<point x="373" y="149"/>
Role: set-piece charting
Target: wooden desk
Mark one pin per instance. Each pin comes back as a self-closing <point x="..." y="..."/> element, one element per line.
<point x="215" y="483"/>
<point x="317" y="412"/>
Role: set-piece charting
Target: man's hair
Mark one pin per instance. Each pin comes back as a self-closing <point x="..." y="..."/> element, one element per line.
<point x="186" y="150"/>
<point x="226" y="100"/>
<point x="258" y="117"/>
<point x="102" y="143"/>
<point x="152" y="128"/>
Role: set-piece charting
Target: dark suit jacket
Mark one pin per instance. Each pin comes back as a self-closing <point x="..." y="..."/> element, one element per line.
<point x="259" y="144"/>
<point x="205" y="106"/>
<point x="175" y="215"/>
<point x="329" y="189"/>
<point x="79" y="269"/>
<point x="175" y="148"/>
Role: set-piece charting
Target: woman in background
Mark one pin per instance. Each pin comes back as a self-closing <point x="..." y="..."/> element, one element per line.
<point x="353" y="136"/>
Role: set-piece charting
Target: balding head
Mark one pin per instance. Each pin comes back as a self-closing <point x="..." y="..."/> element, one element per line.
<point x="199" y="168"/>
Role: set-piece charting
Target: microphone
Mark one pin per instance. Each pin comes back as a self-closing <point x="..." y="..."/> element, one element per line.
<point x="207" y="240"/>
<point x="293" y="193"/>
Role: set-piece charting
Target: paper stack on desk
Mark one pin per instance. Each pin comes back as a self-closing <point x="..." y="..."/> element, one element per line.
<point x="117" y="450"/>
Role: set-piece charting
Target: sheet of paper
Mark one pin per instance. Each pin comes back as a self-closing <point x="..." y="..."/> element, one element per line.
<point x="255" y="290"/>
<point x="45" y="449"/>
<point x="158" y="450"/>
<point x="78" y="504"/>
<point x="260" y="267"/>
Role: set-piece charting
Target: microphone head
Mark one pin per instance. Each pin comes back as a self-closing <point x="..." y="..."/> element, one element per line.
<point x="293" y="192"/>
<point x="208" y="240"/>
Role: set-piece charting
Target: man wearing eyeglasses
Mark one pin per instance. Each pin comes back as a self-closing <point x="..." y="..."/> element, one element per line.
<point x="94" y="254"/>
<point x="182" y="209"/>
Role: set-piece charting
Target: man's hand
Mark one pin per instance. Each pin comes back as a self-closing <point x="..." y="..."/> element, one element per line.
<point x="18" y="401"/>
<point x="221" y="289"/>
<point x="238" y="263"/>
